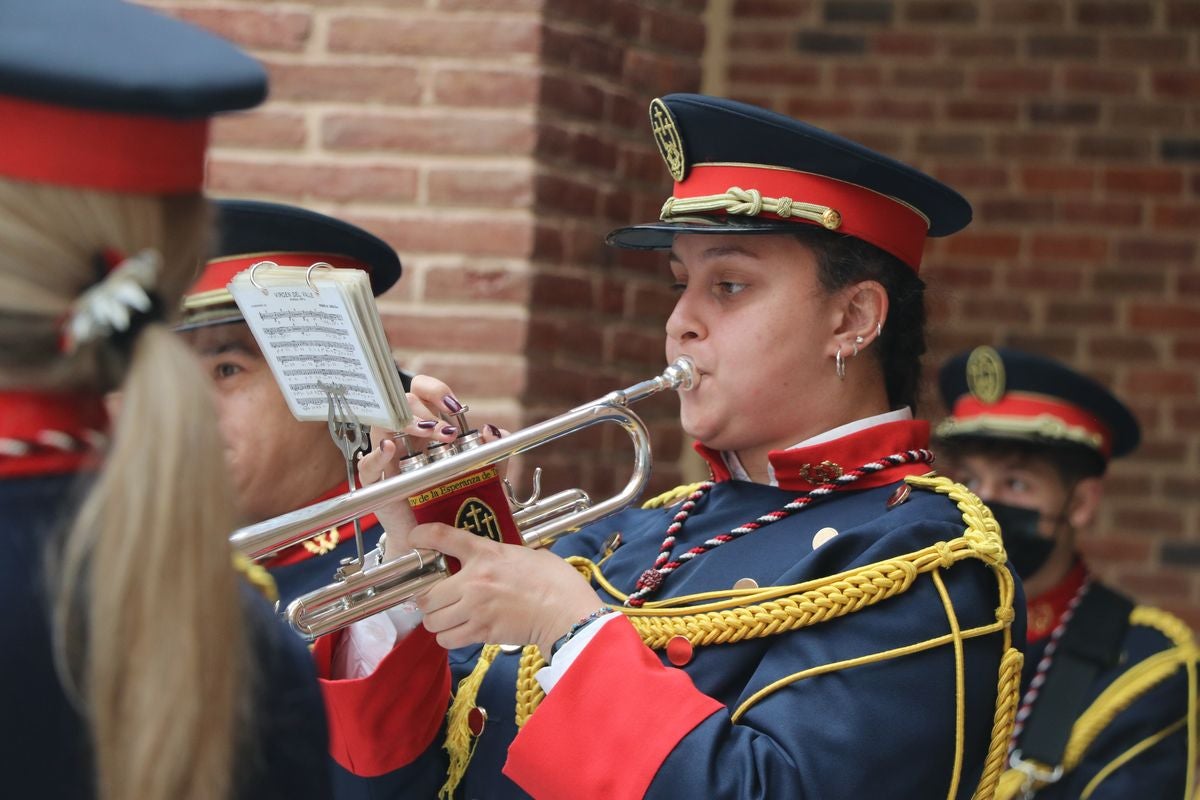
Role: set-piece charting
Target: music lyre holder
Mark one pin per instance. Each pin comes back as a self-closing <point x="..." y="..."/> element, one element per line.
<point x="351" y="438"/>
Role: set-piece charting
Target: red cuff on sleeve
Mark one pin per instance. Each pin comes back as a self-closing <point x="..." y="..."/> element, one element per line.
<point x="623" y="752"/>
<point x="382" y="722"/>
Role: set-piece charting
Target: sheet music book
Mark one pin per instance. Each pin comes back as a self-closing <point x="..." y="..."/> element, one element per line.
<point x="320" y="332"/>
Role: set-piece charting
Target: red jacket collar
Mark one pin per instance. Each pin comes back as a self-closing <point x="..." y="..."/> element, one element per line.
<point x="320" y="543"/>
<point x="48" y="433"/>
<point x="1045" y="610"/>
<point x="802" y="469"/>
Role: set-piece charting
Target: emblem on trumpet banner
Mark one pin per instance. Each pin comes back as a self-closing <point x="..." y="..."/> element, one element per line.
<point x="476" y="516"/>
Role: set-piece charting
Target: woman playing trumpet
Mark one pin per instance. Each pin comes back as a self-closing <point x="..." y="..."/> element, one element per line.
<point x="821" y="619"/>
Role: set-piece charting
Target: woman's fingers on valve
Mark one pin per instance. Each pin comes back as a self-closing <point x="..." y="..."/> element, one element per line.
<point x="437" y="405"/>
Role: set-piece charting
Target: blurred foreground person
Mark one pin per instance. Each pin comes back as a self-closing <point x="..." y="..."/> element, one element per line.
<point x="134" y="662"/>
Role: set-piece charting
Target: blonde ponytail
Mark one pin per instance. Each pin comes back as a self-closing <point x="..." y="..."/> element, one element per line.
<point x="147" y="618"/>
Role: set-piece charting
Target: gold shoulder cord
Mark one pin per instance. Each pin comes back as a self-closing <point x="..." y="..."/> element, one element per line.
<point x="735" y="615"/>
<point x="1122" y="693"/>
<point x="257" y="577"/>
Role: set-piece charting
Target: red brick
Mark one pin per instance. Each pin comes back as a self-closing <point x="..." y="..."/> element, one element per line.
<point x="421" y="35"/>
<point x="343" y="183"/>
<point x="476" y="282"/>
<point x="1060" y="47"/>
<point x="1064" y="112"/>
<point x="903" y="44"/>
<point x="1186" y="350"/>
<point x="485" y="88"/>
<point x="1183" y="14"/>
<point x="1154" y="585"/>
<point x="942" y="145"/>
<point x="1144" y="180"/>
<point x="1149" y="521"/>
<point x="1109" y="13"/>
<point x="997" y="310"/>
<point x="987" y="47"/>
<point x="574" y="98"/>
<point x="1189" y="284"/>
<point x="969" y="177"/>
<point x="1164" y="382"/>
<point x="1058" y="346"/>
<point x="1121" y="348"/>
<point x="1164" y="316"/>
<point x="1080" y="312"/>
<point x="1090" y="80"/>
<point x="268" y="130"/>
<point x="867" y="76"/>
<point x="446" y="330"/>
<point x="344" y="83"/>
<point x="448" y="135"/>
<point x="758" y="41"/>
<point x="1113" y="148"/>
<point x="1177" y="83"/>
<point x="949" y="276"/>
<point x="581" y="51"/>
<point x="936" y="78"/>
<point x="1156" y="249"/>
<point x="258" y="29"/>
<point x="1123" y="281"/>
<point x="1032" y="145"/>
<point x="1108" y="214"/>
<point x="1044" y="279"/>
<point x="683" y="33"/>
<point x="785" y="9"/>
<point x="1115" y="548"/>
<point x="990" y="111"/>
<point x="791" y="74"/>
<point x="1013" y="80"/>
<point x="459" y="234"/>
<point x="462" y="186"/>
<point x="1069" y="247"/>
<point x="1058" y="179"/>
<point x="820" y="108"/>
<point x="984" y="245"/>
<point x="900" y="109"/>
<point x="1027" y="12"/>
<point x="1186" y="417"/>
<point x="1145" y="48"/>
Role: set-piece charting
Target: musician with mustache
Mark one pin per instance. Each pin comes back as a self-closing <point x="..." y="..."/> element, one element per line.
<point x="823" y="618"/>
<point x="1108" y="706"/>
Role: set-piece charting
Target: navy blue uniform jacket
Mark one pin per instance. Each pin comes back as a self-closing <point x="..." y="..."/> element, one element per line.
<point x="869" y="692"/>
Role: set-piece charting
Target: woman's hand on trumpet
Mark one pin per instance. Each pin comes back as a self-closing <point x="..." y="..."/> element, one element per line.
<point x="430" y="402"/>
<point x="502" y="593"/>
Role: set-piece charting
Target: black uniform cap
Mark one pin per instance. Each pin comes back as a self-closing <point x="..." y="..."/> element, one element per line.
<point x="110" y="95"/>
<point x="249" y="231"/>
<point x="743" y="169"/>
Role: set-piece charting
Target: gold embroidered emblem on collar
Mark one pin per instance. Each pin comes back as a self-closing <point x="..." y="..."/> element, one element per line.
<point x="322" y="543"/>
<point x="824" y="472"/>
<point x="985" y="374"/>
<point x="666" y="136"/>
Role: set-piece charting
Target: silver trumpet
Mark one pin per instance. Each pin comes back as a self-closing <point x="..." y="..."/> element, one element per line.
<point x="357" y="593"/>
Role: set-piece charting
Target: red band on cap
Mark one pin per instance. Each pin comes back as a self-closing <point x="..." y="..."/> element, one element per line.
<point x="887" y="223"/>
<point x="220" y="271"/>
<point x="101" y="150"/>
<point x="1021" y="406"/>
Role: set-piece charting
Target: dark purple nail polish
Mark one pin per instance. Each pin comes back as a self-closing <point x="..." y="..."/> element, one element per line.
<point x="449" y="430"/>
<point x="493" y="430"/>
<point x="452" y="405"/>
<point x="427" y="424"/>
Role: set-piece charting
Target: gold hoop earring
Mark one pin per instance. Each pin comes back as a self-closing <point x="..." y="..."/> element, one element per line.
<point x="839" y="364"/>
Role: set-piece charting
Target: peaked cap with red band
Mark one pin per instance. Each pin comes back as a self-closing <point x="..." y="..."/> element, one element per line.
<point x="742" y="169"/>
<point x="1003" y="394"/>
<point x="104" y="94"/>
<point x="249" y="231"/>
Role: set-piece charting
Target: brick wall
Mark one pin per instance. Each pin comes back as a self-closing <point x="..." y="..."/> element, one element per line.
<point x="1071" y="127"/>
<point x="493" y="143"/>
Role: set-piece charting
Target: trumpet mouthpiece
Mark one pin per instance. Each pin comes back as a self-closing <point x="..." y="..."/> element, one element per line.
<point x="682" y="374"/>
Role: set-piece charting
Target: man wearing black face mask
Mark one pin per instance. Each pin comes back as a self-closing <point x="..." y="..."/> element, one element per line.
<point x="1108" y="691"/>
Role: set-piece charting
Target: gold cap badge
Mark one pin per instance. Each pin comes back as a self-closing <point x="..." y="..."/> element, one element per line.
<point x="985" y="374"/>
<point x="666" y="136"/>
